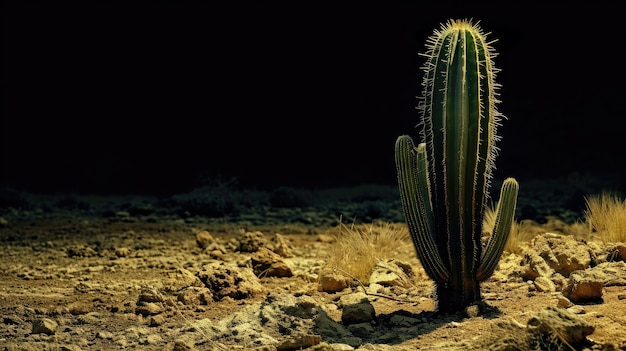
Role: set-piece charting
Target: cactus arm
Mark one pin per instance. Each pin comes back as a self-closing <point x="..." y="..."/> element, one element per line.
<point x="505" y="212"/>
<point x="414" y="195"/>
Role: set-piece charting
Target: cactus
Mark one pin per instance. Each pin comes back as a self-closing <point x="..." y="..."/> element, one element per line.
<point x="444" y="180"/>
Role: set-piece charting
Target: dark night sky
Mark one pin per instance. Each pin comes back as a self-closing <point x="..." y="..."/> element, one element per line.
<point x="144" y="97"/>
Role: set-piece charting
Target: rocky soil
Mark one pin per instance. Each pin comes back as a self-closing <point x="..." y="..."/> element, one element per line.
<point x="104" y="273"/>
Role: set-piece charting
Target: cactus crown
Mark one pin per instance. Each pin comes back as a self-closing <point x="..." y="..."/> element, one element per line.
<point x="460" y="43"/>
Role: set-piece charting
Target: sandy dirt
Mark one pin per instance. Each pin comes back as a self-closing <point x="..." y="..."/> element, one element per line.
<point x="77" y="281"/>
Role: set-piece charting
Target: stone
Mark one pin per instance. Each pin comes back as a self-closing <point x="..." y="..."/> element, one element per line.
<point x="266" y="263"/>
<point x="544" y="284"/>
<point x="356" y="309"/>
<point x="44" y="326"/>
<point x="564" y="254"/>
<point x="332" y="281"/>
<point x="252" y="241"/>
<point x="558" y="322"/>
<point x="226" y="279"/>
<point x="583" y="286"/>
<point x="148" y="308"/>
<point x="204" y="239"/>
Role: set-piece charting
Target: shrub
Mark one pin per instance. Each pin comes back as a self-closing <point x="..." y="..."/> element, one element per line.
<point x="359" y="248"/>
<point x="605" y="215"/>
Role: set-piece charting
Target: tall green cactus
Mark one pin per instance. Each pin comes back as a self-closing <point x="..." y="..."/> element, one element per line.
<point x="444" y="181"/>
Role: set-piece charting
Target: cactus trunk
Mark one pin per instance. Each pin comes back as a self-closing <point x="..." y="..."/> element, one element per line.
<point x="444" y="182"/>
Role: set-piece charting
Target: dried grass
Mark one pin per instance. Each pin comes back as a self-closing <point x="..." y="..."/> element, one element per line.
<point x="358" y="248"/>
<point x="605" y="216"/>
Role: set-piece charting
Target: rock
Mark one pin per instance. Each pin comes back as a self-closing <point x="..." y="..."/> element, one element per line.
<point x="266" y="263"/>
<point x="227" y="279"/>
<point x="252" y="241"/>
<point x="544" y="284"/>
<point x="613" y="273"/>
<point x="588" y="285"/>
<point x="44" y="326"/>
<point x="564" y="254"/>
<point x="217" y="254"/>
<point x="282" y="247"/>
<point x="156" y="321"/>
<point x="330" y="280"/>
<point x="401" y="321"/>
<point x="195" y="296"/>
<point x="584" y="286"/>
<point x="181" y="278"/>
<point x="78" y="308"/>
<point x="299" y="342"/>
<point x="621" y="251"/>
<point x="122" y="252"/>
<point x="356" y="309"/>
<point x="556" y="324"/>
<point x="148" y="308"/>
<point x="535" y="266"/>
<point x="472" y="311"/>
<point x="564" y="302"/>
<point x="204" y="239"/>
<point x="81" y="251"/>
<point x="148" y="294"/>
<point x="576" y="309"/>
<point x="104" y="334"/>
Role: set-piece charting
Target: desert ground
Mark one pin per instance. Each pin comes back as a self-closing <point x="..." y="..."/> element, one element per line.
<point x="222" y="269"/>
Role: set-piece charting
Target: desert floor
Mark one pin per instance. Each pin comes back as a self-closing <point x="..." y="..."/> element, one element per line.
<point x="120" y="273"/>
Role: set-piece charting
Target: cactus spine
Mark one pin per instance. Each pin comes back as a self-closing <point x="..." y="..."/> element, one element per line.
<point x="444" y="181"/>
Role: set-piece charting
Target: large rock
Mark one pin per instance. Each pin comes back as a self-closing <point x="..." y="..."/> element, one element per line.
<point x="534" y="266"/>
<point x="266" y="263"/>
<point x="588" y="285"/>
<point x="44" y="326"/>
<point x="331" y="280"/>
<point x="584" y="286"/>
<point x="554" y="324"/>
<point x="356" y="309"/>
<point x="564" y="254"/>
<point x="227" y="279"/>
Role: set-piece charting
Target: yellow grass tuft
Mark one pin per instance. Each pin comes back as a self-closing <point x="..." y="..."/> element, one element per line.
<point x="605" y="216"/>
<point x="358" y="248"/>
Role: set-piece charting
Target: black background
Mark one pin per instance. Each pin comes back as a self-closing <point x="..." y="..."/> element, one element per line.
<point x="151" y="97"/>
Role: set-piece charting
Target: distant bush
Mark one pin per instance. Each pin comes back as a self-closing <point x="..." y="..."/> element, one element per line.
<point x="71" y="202"/>
<point x="11" y="198"/>
<point x="218" y="199"/>
<point x="289" y="197"/>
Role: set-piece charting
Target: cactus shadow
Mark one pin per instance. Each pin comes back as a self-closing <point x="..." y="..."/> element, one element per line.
<point x="391" y="328"/>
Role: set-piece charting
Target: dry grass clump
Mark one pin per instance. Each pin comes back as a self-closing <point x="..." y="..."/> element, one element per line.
<point x="605" y="216"/>
<point x="521" y="233"/>
<point x="358" y="248"/>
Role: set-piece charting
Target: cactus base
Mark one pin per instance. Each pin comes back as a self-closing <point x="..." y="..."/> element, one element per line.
<point x="452" y="299"/>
